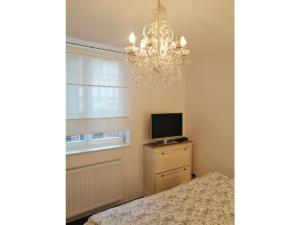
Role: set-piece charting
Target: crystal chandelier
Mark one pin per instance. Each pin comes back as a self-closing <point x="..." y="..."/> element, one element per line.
<point x="158" y="56"/>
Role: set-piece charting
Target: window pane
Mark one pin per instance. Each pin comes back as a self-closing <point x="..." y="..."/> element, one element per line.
<point x="97" y="136"/>
<point x="101" y="139"/>
<point x="75" y="138"/>
<point x="109" y="134"/>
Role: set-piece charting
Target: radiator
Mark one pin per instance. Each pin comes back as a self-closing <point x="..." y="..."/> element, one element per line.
<point x="94" y="186"/>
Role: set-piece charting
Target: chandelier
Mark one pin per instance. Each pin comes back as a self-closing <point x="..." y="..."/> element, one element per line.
<point x="158" y="55"/>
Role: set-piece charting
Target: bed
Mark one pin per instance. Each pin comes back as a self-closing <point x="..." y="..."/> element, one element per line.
<point x="208" y="200"/>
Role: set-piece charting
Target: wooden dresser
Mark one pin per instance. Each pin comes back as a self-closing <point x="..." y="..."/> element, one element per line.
<point x="166" y="166"/>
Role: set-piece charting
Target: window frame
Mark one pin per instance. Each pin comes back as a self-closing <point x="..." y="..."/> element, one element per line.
<point x="104" y="143"/>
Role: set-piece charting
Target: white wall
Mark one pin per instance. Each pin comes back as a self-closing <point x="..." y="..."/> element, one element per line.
<point x="210" y="112"/>
<point x="145" y="100"/>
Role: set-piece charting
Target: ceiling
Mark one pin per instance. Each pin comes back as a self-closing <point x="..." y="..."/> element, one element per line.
<point x="208" y="25"/>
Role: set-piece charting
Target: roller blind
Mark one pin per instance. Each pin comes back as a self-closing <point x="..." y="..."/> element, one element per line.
<point x="97" y="91"/>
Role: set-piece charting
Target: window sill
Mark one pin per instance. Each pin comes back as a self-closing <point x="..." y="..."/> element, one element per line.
<point x="86" y="150"/>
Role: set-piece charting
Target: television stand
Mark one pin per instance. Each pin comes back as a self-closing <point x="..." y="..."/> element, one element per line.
<point x="166" y="166"/>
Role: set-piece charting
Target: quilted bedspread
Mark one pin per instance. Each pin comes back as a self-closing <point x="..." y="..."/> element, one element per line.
<point x="208" y="200"/>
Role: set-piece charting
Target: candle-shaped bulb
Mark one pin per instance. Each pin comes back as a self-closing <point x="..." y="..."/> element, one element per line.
<point x="182" y="42"/>
<point x="132" y="38"/>
<point x="143" y="44"/>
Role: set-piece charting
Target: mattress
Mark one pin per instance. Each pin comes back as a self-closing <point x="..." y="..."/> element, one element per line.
<point x="208" y="200"/>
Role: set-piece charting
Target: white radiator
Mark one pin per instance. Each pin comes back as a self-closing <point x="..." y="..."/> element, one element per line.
<point x="94" y="186"/>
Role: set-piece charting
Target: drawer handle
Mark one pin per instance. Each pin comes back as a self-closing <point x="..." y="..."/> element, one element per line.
<point x="184" y="168"/>
<point x="185" y="148"/>
<point x="162" y="175"/>
<point x="162" y="153"/>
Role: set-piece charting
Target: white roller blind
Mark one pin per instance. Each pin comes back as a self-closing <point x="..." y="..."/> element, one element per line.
<point x="97" y="68"/>
<point x="96" y="102"/>
<point x="97" y="91"/>
<point x="90" y="126"/>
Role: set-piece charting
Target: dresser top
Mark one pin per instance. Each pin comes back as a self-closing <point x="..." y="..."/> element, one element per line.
<point x="153" y="145"/>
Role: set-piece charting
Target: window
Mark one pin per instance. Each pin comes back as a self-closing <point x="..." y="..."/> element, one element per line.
<point x="97" y="96"/>
<point x="98" y="140"/>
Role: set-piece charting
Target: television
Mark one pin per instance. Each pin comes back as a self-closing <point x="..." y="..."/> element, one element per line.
<point x="166" y="126"/>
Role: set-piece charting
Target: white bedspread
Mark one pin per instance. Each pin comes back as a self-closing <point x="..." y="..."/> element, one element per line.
<point x="208" y="200"/>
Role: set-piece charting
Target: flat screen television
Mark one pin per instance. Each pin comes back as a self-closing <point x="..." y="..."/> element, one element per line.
<point x="166" y="126"/>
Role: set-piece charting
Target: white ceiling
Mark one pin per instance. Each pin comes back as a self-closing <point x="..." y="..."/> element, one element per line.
<point x="208" y="25"/>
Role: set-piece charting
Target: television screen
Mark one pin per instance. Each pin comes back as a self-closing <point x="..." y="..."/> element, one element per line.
<point x="166" y="125"/>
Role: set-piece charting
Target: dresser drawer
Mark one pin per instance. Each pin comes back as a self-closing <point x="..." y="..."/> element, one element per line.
<point x="172" y="178"/>
<point x="172" y="158"/>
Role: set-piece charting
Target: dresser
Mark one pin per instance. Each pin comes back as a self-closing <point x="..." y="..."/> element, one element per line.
<point x="166" y="166"/>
